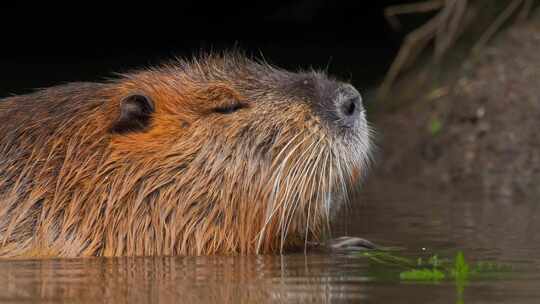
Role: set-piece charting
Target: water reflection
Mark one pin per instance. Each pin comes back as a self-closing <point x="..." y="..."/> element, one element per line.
<point x="314" y="279"/>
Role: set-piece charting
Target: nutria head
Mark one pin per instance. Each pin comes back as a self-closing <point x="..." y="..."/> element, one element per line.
<point x="216" y="155"/>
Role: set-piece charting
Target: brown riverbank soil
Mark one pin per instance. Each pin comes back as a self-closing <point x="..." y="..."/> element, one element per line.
<point x="476" y="132"/>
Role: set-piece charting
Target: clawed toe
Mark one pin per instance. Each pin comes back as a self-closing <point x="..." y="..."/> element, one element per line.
<point x="350" y="243"/>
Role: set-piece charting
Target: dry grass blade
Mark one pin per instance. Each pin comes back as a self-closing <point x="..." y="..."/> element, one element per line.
<point x="499" y="21"/>
<point x="391" y="12"/>
<point x="443" y="29"/>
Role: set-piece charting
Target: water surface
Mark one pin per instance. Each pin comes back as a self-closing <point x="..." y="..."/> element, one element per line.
<point x="504" y="231"/>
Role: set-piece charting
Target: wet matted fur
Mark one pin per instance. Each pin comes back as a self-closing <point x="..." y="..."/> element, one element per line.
<point x="230" y="156"/>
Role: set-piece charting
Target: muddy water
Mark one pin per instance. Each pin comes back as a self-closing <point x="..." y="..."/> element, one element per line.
<point x="505" y="231"/>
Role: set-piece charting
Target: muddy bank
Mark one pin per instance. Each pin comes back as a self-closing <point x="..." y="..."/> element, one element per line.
<point x="474" y="131"/>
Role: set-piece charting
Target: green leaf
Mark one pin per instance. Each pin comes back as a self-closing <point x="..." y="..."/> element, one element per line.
<point x="422" y="275"/>
<point x="435" y="126"/>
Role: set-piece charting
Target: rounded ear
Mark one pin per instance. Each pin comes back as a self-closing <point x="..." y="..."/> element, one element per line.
<point x="135" y="114"/>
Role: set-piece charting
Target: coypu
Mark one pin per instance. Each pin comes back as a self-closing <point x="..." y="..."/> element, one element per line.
<point x="216" y="155"/>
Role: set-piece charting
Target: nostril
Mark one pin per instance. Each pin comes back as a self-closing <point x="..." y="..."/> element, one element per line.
<point x="349" y="106"/>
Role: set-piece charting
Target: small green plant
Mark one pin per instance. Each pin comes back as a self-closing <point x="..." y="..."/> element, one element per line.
<point x="388" y="259"/>
<point x="461" y="268"/>
<point x="430" y="270"/>
<point x="434" y="269"/>
<point x="422" y="275"/>
<point x="490" y="267"/>
<point x="431" y="267"/>
<point x="435" y="126"/>
<point x="437" y="269"/>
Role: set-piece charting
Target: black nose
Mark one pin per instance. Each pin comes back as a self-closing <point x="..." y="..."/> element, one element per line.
<point x="348" y="102"/>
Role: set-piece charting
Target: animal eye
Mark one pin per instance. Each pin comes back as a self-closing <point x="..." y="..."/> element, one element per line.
<point x="230" y="108"/>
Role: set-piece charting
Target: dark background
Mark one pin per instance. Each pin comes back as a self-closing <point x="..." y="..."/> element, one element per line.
<point x="43" y="45"/>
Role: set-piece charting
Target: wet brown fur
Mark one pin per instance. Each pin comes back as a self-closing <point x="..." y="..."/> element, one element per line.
<point x="194" y="182"/>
